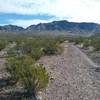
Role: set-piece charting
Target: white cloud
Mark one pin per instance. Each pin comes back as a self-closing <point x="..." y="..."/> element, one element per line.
<point x="76" y="10"/>
<point x="23" y="6"/>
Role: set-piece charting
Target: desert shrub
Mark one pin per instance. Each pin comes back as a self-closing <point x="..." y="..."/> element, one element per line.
<point x="95" y="42"/>
<point x="15" y="65"/>
<point x="34" y="78"/>
<point x="50" y="48"/>
<point x="2" y="45"/>
<point x="30" y="76"/>
<point x="36" y="53"/>
<point x="86" y="43"/>
<point x="78" y="40"/>
<point x="37" y="47"/>
<point x="97" y="46"/>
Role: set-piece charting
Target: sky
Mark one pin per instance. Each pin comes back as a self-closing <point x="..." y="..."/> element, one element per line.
<point x="27" y="12"/>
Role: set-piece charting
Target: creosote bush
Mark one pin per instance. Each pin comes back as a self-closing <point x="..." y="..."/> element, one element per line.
<point x="87" y="41"/>
<point x="2" y="45"/>
<point x="32" y="77"/>
<point x="37" y="47"/>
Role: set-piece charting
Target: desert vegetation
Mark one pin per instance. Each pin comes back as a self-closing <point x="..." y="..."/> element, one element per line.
<point x="21" y="62"/>
<point x="87" y="42"/>
<point x="22" y="57"/>
<point x="24" y="72"/>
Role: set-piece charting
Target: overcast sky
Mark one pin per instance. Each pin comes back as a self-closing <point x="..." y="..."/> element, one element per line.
<point x="28" y="12"/>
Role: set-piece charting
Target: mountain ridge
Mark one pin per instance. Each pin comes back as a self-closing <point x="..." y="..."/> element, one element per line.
<point x="62" y="25"/>
<point x="11" y="28"/>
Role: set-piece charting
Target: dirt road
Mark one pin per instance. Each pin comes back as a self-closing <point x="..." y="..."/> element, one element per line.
<point x="73" y="76"/>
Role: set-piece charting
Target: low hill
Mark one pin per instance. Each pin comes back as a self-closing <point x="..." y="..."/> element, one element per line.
<point x="11" y="28"/>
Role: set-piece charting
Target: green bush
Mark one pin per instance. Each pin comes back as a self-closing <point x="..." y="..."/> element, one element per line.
<point x="30" y="76"/>
<point x="50" y="48"/>
<point x="2" y="45"/>
<point x="36" y="53"/>
<point x="37" y="47"/>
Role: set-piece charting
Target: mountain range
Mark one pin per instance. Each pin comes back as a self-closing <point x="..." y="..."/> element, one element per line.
<point x="60" y="26"/>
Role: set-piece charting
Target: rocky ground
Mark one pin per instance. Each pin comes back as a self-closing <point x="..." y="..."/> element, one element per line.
<point x="73" y="76"/>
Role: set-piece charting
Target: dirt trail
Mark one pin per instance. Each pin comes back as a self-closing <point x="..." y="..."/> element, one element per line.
<point x="72" y="76"/>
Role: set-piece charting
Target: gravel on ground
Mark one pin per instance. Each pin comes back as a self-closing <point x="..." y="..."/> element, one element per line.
<point x="73" y="76"/>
